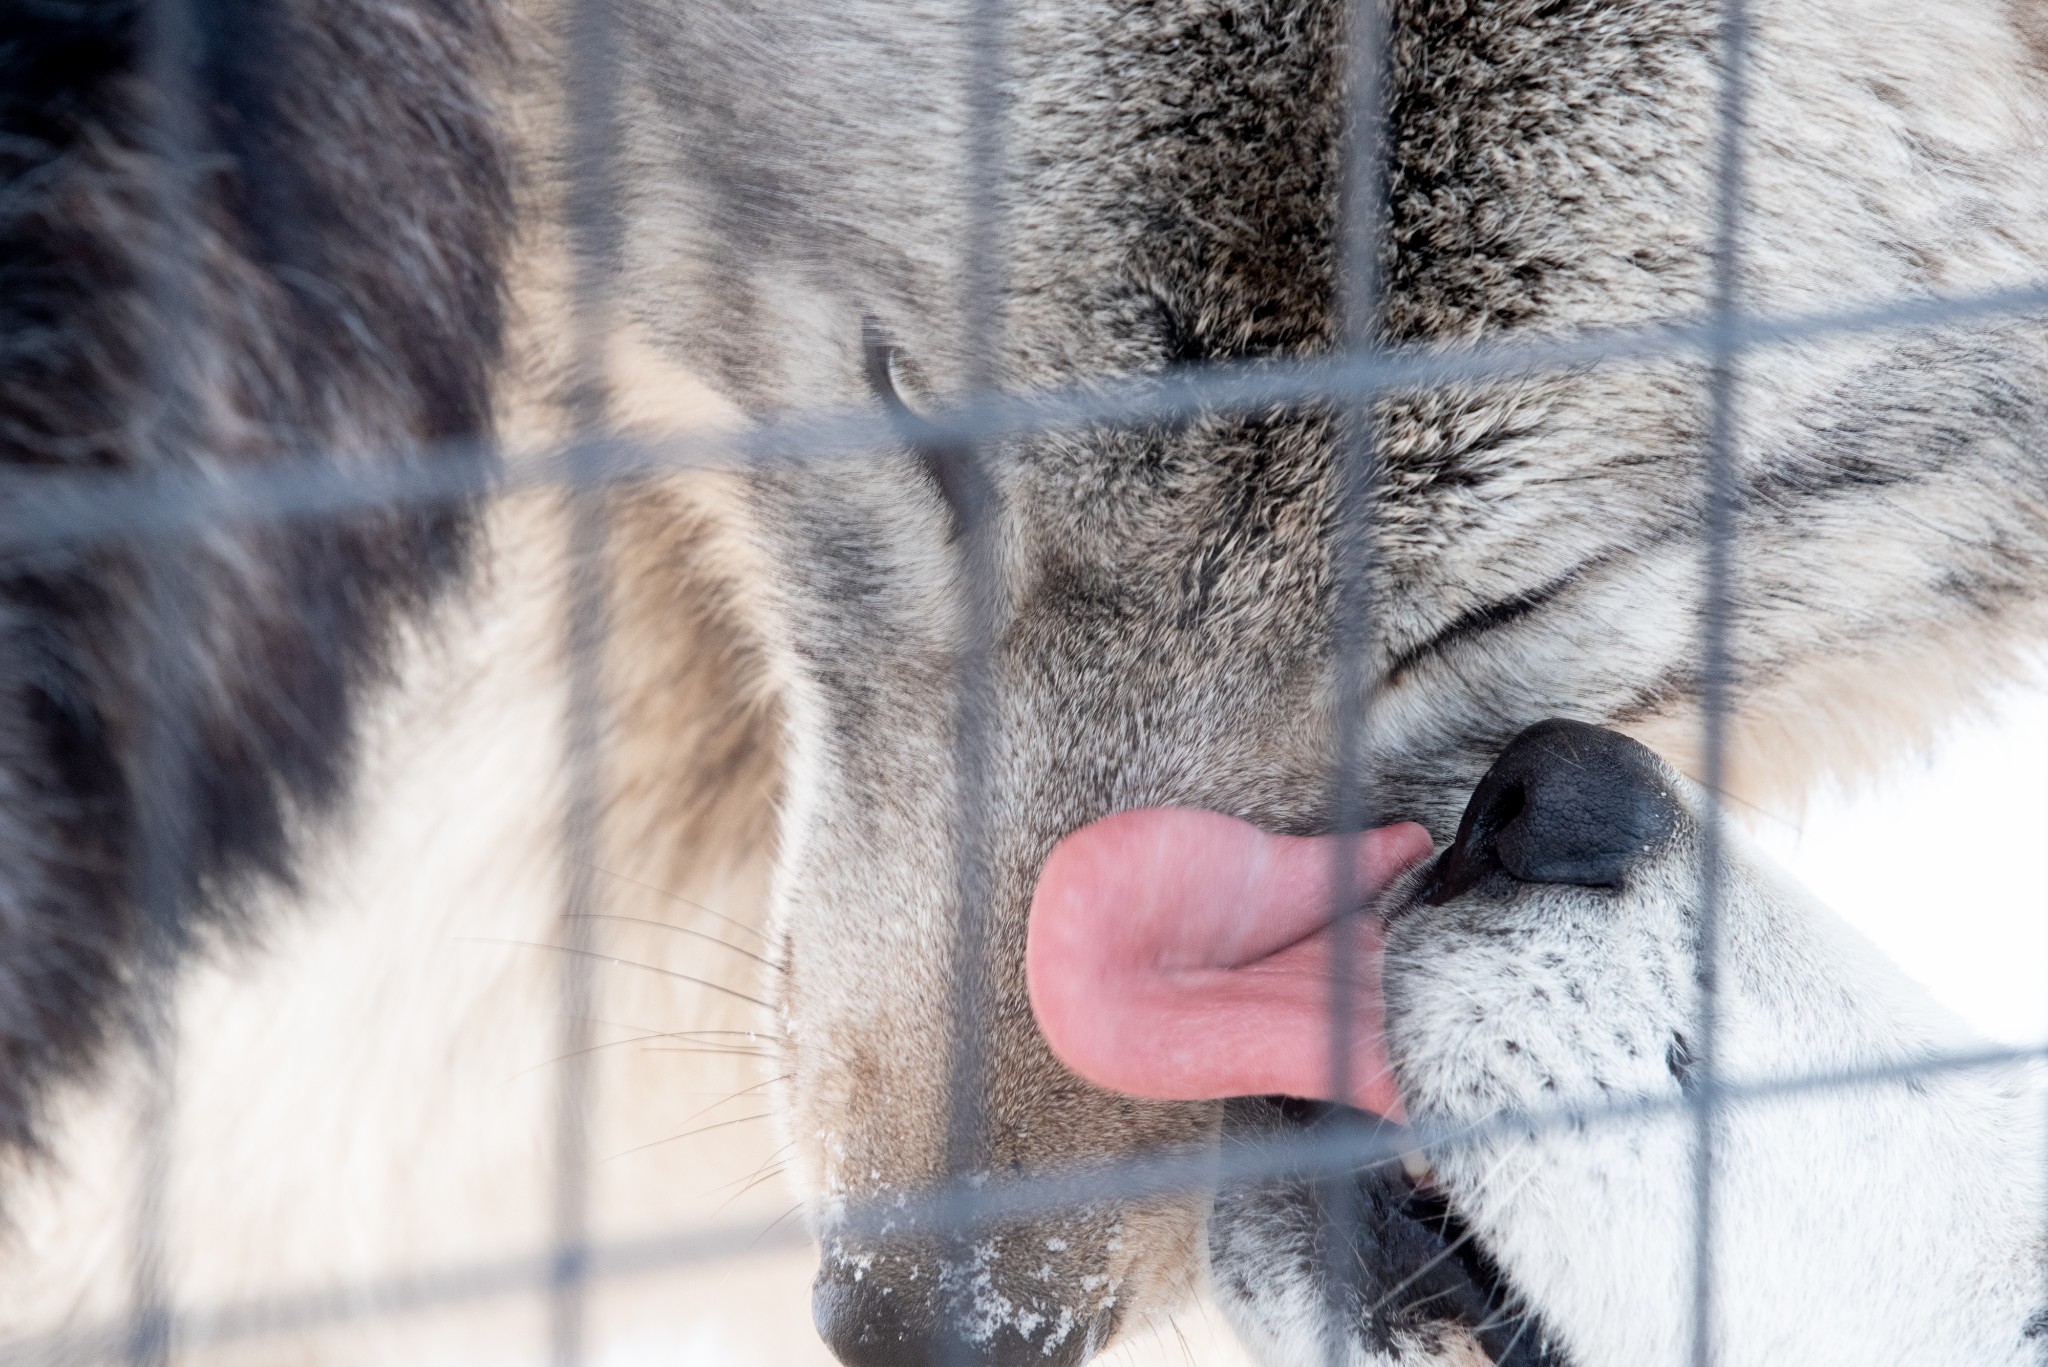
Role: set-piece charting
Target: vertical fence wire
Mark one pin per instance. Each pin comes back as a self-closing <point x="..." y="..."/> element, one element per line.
<point x="1722" y="493"/>
<point x="1356" y="254"/>
<point x="595" y="241"/>
<point x="962" y="471"/>
<point x="160" y="836"/>
<point x="160" y="843"/>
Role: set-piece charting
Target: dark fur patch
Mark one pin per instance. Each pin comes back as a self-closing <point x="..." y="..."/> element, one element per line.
<point x="1416" y="1273"/>
<point x="320" y="290"/>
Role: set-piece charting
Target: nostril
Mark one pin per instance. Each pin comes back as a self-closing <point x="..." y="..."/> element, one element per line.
<point x="1502" y="811"/>
<point x="1565" y="803"/>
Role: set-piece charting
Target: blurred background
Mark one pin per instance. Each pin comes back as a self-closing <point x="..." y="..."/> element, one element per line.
<point x="1936" y="862"/>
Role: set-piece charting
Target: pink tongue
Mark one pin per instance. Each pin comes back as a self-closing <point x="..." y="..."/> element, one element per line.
<point x="1183" y="954"/>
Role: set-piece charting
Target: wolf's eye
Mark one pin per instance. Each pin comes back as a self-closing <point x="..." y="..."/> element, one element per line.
<point x="947" y="461"/>
<point x="883" y="361"/>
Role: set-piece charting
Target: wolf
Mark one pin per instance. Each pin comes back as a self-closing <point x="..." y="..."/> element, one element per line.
<point x="1544" y="978"/>
<point x="312" y="273"/>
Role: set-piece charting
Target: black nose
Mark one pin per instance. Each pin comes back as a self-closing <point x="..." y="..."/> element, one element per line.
<point x="866" y="1324"/>
<point x="871" y="1313"/>
<point x="1564" y="803"/>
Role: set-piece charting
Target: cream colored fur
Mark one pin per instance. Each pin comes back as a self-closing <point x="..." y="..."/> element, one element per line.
<point x="371" y="1091"/>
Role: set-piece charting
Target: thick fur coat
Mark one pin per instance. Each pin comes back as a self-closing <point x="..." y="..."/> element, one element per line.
<point x="216" y="260"/>
<point x="794" y="189"/>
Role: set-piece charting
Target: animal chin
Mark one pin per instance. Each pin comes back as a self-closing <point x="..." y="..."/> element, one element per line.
<point x="1510" y="1333"/>
<point x="1427" y="1288"/>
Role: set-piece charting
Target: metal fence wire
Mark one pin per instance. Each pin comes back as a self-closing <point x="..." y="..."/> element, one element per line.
<point x="62" y="515"/>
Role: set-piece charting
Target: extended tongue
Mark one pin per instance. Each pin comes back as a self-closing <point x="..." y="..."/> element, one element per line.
<point x="1184" y="954"/>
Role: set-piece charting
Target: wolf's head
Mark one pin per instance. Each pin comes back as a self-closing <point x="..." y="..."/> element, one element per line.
<point x="1158" y="599"/>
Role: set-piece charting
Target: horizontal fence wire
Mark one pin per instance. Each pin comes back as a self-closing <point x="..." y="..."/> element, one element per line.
<point x="61" y="514"/>
<point x="50" y="515"/>
<point x="66" y="514"/>
<point x="1295" y="1156"/>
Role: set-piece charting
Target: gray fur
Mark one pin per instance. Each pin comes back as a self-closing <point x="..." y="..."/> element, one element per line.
<point x="1162" y="616"/>
<point x="1163" y="613"/>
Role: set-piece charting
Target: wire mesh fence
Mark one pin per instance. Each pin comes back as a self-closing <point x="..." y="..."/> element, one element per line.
<point x="49" y="517"/>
